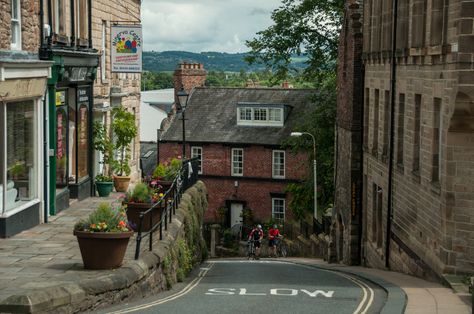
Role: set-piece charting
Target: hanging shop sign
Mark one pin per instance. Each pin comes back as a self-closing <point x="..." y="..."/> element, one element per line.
<point x="127" y="43"/>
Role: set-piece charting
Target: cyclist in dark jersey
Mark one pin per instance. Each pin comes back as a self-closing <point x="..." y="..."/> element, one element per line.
<point x="257" y="236"/>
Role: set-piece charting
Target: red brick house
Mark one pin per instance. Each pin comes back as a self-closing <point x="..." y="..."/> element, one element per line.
<point x="237" y="133"/>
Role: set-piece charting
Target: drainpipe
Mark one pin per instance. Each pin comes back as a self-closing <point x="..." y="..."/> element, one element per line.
<point x="393" y="82"/>
<point x="89" y="22"/>
<point x="46" y="156"/>
<point x="73" y="24"/>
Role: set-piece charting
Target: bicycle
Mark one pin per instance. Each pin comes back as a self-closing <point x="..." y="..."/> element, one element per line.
<point x="281" y="248"/>
<point x="251" y="249"/>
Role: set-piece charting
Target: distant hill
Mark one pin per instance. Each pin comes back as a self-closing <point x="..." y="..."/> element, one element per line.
<point x="217" y="61"/>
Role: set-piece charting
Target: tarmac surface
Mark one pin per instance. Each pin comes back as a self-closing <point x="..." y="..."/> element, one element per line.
<point x="47" y="257"/>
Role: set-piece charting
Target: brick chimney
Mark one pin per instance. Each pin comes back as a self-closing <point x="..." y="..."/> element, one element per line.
<point x="286" y="85"/>
<point x="188" y="75"/>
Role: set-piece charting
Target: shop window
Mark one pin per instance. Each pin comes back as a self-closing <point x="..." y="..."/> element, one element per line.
<point x="81" y="145"/>
<point x="21" y="150"/>
<point x="61" y="140"/>
<point x="16" y="24"/>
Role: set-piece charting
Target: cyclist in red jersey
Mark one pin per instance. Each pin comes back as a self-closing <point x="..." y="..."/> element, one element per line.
<point x="273" y="234"/>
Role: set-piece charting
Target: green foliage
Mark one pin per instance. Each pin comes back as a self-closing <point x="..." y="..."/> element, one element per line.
<point x="104" y="219"/>
<point x="156" y="80"/>
<point x="159" y="171"/>
<point x="173" y="169"/>
<point x="308" y="28"/>
<point x="141" y="193"/>
<point x="102" y="143"/>
<point x="103" y="178"/>
<point x="185" y="257"/>
<point x="125" y="130"/>
<point x="321" y="124"/>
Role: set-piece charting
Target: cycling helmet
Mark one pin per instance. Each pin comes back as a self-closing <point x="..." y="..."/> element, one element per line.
<point x="259" y="226"/>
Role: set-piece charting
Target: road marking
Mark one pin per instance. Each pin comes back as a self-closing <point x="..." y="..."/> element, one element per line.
<point x="276" y="291"/>
<point x="184" y="291"/>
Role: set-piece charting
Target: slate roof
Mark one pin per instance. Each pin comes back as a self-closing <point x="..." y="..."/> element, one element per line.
<point x="147" y="157"/>
<point x="211" y="115"/>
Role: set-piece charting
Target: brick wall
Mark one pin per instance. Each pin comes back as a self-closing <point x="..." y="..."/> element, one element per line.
<point x="29" y="25"/>
<point x="253" y="188"/>
<point x="188" y="76"/>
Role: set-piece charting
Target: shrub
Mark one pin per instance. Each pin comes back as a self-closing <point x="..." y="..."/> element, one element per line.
<point x="104" y="219"/>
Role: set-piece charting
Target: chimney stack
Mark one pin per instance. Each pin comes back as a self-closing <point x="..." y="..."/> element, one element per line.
<point x="188" y="76"/>
<point x="286" y="85"/>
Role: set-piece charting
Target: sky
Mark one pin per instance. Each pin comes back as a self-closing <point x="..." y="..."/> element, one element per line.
<point x="204" y="25"/>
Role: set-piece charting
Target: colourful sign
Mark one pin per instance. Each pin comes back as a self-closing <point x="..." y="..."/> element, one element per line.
<point x="127" y="43"/>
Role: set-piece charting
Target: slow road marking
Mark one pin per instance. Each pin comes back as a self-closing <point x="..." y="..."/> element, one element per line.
<point x="278" y="292"/>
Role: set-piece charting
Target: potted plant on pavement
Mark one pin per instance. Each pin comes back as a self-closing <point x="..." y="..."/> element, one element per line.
<point x="103" y="144"/>
<point x="103" y="237"/>
<point x="124" y="129"/>
<point x="140" y="199"/>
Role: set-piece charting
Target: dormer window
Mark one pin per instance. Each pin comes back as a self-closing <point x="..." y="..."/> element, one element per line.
<point x="260" y="115"/>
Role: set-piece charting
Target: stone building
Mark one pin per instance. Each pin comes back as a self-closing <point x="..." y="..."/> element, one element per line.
<point x="237" y="134"/>
<point x="23" y="80"/>
<point x="418" y="136"/>
<point x="83" y="88"/>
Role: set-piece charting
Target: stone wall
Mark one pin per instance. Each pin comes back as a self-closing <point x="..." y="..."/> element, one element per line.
<point x="152" y="273"/>
<point x="30" y="29"/>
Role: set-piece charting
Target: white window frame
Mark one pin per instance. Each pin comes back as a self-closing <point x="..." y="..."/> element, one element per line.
<point x="276" y="166"/>
<point x="196" y="151"/>
<point x="235" y="170"/>
<point x="274" y="200"/>
<point x="103" y="57"/>
<point x="17" y="28"/>
<point x="262" y="112"/>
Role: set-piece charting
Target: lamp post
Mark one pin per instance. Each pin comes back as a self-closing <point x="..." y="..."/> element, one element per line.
<point x="297" y="134"/>
<point x="183" y="102"/>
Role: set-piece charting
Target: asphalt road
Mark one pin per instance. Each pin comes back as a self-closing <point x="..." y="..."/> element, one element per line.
<point x="264" y="286"/>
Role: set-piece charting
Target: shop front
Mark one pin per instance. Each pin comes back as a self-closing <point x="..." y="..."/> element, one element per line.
<point x="71" y="90"/>
<point x="22" y="194"/>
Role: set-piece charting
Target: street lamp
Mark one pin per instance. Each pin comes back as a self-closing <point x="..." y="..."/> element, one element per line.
<point x="183" y="102"/>
<point x="298" y="134"/>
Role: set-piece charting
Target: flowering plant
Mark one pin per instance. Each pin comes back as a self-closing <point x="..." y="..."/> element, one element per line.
<point x="106" y="218"/>
<point x="167" y="171"/>
<point x="144" y="193"/>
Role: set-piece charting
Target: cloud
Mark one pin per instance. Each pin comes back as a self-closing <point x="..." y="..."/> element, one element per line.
<point x="204" y="25"/>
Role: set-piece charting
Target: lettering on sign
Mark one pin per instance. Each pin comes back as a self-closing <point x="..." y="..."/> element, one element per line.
<point x="277" y="292"/>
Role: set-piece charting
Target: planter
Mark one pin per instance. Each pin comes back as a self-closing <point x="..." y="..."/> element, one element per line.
<point x="165" y="184"/>
<point x="121" y="183"/>
<point x="104" y="188"/>
<point x="102" y="250"/>
<point x="133" y="214"/>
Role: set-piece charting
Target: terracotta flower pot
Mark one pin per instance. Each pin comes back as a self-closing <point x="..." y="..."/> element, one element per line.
<point x="121" y="183"/>
<point x="133" y="214"/>
<point x="102" y="250"/>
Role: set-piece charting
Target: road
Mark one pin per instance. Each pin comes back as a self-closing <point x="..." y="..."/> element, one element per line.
<point x="264" y="286"/>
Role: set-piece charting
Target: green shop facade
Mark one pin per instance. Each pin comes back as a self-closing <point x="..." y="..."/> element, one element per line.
<point x="70" y="92"/>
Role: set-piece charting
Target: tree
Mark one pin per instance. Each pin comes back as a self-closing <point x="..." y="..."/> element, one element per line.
<point x="301" y="27"/>
<point x="306" y="28"/>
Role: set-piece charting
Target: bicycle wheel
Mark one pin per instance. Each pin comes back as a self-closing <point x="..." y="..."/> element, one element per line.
<point x="283" y="250"/>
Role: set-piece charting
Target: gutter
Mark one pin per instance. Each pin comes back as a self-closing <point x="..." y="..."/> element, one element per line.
<point x="393" y="82"/>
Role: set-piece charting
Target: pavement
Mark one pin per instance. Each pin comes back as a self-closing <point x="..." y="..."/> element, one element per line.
<point x="47" y="258"/>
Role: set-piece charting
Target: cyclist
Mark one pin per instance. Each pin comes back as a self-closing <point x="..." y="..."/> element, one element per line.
<point x="273" y="234"/>
<point x="257" y="236"/>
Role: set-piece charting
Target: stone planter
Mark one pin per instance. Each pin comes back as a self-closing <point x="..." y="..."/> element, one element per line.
<point x="133" y="214"/>
<point x="102" y="250"/>
<point x="104" y="188"/>
<point x="121" y="183"/>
